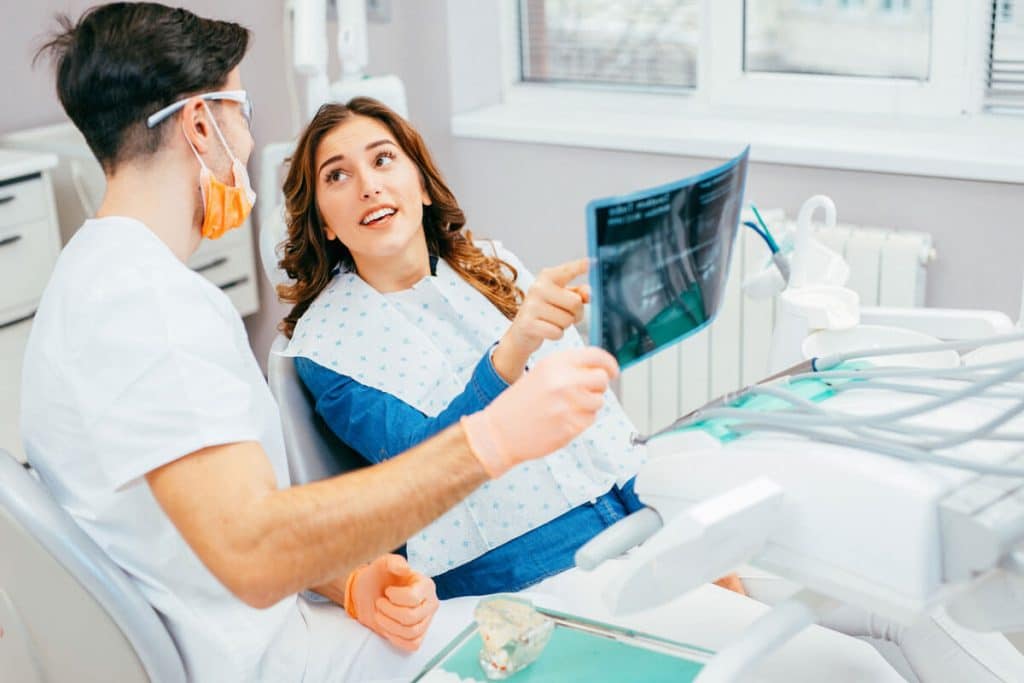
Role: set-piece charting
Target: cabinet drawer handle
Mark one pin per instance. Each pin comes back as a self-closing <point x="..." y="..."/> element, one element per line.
<point x="8" y="198"/>
<point x="12" y="323"/>
<point x="231" y="284"/>
<point x="10" y="239"/>
<point x="212" y="264"/>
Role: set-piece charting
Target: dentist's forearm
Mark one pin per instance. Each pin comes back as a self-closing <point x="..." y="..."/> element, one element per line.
<point x="315" y="534"/>
<point x="265" y="543"/>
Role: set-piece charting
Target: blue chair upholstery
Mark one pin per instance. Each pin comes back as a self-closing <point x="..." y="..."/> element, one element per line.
<point x="69" y="613"/>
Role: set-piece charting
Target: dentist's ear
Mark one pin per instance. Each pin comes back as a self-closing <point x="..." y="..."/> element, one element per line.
<point x="196" y="125"/>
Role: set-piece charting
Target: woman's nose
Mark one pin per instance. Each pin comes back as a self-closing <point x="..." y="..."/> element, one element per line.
<point x="371" y="188"/>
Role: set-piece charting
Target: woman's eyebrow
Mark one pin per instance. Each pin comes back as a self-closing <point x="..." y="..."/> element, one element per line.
<point x="336" y="157"/>
<point x="339" y="157"/>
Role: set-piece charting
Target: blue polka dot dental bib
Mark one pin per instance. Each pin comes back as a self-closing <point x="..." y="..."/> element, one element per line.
<point x="421" y="345"/>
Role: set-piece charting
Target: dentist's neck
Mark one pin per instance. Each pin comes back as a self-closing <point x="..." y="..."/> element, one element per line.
<point x="395" y="272"/>
<point x="161" y="193"/>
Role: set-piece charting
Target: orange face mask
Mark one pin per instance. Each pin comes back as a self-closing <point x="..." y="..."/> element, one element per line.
<point x="225" y="207"/>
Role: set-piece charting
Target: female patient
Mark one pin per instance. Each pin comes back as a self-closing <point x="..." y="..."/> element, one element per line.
<point x="401" y="325"/>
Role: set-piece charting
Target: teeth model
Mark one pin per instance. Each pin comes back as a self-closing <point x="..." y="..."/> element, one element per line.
<point x="514" y="635"/>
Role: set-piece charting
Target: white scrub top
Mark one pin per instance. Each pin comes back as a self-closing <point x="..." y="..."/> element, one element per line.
<point x="133" y="362"/>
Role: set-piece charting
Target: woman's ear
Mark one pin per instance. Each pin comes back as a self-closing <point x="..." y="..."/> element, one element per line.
<point x="328" y="232"/>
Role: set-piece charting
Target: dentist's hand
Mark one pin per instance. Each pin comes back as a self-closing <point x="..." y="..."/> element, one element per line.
<point x="392" y="600"/>
<point x="551" y="305"/>
<point x="545" y="409"/>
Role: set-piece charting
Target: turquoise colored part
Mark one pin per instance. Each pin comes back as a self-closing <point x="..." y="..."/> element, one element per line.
<point x="574" y="655"/>
<point x="810" y="389"/>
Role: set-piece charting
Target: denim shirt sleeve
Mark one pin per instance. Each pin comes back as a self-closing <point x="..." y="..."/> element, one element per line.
<point x="379" y="425"/>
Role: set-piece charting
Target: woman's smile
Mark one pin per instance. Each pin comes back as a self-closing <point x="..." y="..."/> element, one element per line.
<point x="379" y="217"/>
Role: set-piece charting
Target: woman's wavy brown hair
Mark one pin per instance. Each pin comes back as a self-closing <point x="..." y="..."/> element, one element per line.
<point x="310" y="258"/>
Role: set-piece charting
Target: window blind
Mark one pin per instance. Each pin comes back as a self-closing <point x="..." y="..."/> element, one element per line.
<point x="610" y="42"/>
<point x="1005" y="84"/>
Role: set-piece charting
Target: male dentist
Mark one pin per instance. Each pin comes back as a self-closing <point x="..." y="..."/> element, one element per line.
<point x="147" y="416"/>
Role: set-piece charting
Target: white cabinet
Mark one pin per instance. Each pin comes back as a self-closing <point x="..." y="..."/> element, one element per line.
<point x="78" y="184"/>
<point x="29" y="243"/>
<point x="230" y="263"/>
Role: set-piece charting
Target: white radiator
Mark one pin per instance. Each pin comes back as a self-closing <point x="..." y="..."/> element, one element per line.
<point x="887" y="269"/>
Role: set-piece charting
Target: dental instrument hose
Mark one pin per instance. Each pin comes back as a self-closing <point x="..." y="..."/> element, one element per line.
<point x="947" y="438"/>
<point x="906" y="453"/>
<point x="809" y="426"/>
<point x="780" y="261"/>
<point x="724" y="399"/>
<point x="830" y="361"/>
<point x="1014" y="369"/>
<point x="714" y="409"/>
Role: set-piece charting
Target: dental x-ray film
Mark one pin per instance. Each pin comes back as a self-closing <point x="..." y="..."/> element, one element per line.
<point x="661" y="260"/>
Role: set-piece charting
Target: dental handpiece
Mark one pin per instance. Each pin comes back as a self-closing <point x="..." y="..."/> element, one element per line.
<point x="627" y="533"/>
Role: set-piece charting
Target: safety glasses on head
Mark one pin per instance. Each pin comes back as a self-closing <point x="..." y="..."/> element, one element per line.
<point x="240" y="96"/>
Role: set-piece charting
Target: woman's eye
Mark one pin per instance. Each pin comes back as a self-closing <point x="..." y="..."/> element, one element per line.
<point x="385" y="158"/>
<point x="335" y="176"/>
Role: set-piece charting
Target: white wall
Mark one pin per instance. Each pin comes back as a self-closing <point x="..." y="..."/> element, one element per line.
<point x="532" y="196"/>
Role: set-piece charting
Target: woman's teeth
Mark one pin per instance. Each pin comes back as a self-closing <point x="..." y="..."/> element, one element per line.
<point x="377" y="215"/>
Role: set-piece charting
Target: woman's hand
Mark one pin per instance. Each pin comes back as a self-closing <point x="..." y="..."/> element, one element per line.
<point x="551" y="305"/>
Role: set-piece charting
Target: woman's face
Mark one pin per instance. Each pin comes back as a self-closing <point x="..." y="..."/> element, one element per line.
<point x="369" y="192"/>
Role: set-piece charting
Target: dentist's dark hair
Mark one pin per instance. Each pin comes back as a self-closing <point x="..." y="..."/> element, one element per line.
<point x="123" y="61"/>
<point x="310" y="258"/>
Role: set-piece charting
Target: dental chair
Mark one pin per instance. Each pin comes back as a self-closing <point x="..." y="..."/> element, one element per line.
<point x="313" y="451"/>
<point x="67" y="612"/>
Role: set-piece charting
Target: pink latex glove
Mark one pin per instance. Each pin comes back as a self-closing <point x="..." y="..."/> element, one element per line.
<point x="392" y="600"/>
<point x="542" y="411"/>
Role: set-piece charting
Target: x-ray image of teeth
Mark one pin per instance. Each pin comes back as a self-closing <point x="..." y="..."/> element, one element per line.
<point x="662" y="260"/>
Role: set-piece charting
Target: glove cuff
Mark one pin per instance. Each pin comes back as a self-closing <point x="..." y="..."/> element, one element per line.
<point x="482" y="444"/>
<point x="350" y="583"/>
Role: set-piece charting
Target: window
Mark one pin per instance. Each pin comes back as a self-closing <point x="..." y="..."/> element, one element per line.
<point x="625" y="42"/>
<point x="1005" y="84"/>
<point x="850" y="56"/>
<point x="890" y="39"/>
<point x="579" y="73"/>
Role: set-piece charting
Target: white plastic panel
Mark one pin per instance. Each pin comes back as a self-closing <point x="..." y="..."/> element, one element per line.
<point x="758" y="316"/>
<point x="665" y="386"/>
<point x="834" y="238"/>
<point x="900" y="282"/>
<point x="635" y="394"/>
<point x="864" y="255"/>
<point x="695" y="372"/>
<point x="726" y="340"/>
